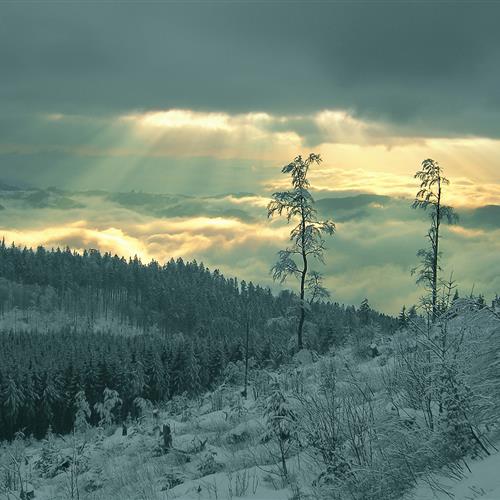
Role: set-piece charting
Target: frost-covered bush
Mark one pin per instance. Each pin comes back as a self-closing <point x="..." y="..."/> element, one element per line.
<point x="49" y="463"/>
<point x="171" y="480"/>
<point x="178" y="404"/>
<point x="217" y="399"/>
<point x="234" y="373"/>
<point x="108" y="409"/>
<point x="208" y="464"/>
<point x="261" y="384"/>
<point x="319" y="418"/>
<point x="142" y="407"/>
<point x="362" y="338"/>
<point x="237" y="409"/>
<point x="281" y="422"/>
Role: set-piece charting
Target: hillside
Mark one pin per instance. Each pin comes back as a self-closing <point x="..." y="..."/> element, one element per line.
<point x="145" y="330"/>
<point x="342" y="426"/>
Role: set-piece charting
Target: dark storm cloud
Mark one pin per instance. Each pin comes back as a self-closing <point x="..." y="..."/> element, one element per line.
<point x="429" y="67"/>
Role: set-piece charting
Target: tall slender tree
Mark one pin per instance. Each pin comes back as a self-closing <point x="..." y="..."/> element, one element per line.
<point x="306" y="236"/>
<point x="430" y="198"/>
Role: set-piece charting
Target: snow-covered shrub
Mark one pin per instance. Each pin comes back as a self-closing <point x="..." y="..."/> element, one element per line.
<point x="293" y="380"/>
<point x="361" y="340"/>
<point x="234" y="373"/>
<point x="240" y="482"/>
<point x="178" y="404"/>
<point x="217" y="399"/>
<point x="94" y="481"/>
<point x="208" y="464"/>
<point x="261" y="384"/>
<point x="237" y="409"/>
<point x="108" y="409"/>
<point x="281" y="425"/>
<point x="171" y="480"/>
<point x="50" y="461"/>
<point x="319" y="418"/>
<point x="143" y="407"/>
<point x="15" y="468"/>
<point x="76" y="462"/>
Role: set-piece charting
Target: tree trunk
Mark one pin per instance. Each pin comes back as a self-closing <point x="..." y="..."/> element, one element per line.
<point x="245" y="393"/>
<point x="436" y="256"/>
<point x="300" y="344"/>
<point x="283" y="461"/>
<point x="167" y="438"/>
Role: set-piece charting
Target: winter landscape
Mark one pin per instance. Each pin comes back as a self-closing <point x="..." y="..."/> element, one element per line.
<point x="249" y="250"/>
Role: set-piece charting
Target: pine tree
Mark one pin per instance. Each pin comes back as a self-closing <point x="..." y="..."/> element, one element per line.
<point x="156" y="376"/>
<point x="192" y="370"/>
<point x="13" y="399"/>
<point x="50" y="396"/>
<point x="412" y="313"/>
<point x="403" y="318"/>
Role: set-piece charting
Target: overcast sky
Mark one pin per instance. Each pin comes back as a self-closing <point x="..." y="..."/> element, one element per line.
<point x="211" y="98"/>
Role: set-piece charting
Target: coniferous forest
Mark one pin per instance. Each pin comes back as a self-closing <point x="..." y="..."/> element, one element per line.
<point x="192" y="324"/>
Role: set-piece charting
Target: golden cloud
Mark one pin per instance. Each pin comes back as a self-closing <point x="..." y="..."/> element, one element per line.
<point x="159" y="239"/>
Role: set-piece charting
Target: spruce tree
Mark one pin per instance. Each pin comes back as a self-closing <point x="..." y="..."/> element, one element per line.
<point x="82" y="413"/>
<point x="403" y="318"/>
<point x="13" y="398"/>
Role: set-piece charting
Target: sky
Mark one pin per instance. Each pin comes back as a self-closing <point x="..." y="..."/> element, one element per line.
<point x="160" y="129"/>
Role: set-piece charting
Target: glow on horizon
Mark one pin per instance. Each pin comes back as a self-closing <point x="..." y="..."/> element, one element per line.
<point x="159" y="239"/>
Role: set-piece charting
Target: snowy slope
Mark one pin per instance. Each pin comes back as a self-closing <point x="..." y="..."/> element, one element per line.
<point x="483" y="482"/>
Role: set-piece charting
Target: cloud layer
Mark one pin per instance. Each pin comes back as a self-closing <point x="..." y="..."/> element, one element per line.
<point x="370" y="256"/>
<point x="195" y="152"/>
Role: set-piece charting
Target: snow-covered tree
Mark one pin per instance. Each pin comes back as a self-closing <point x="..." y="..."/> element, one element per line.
<point x="82" y="415"/>
<point x="281" y="424"/>
<point x="108" y="408"/>
<point x="430" y="198"/>
<point x="306" y="237"/>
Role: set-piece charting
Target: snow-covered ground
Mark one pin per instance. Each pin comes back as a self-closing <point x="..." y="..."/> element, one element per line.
<point x="216" y="454"/>
<point x="220" y="450"/>
<point x="482" y="482"/>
